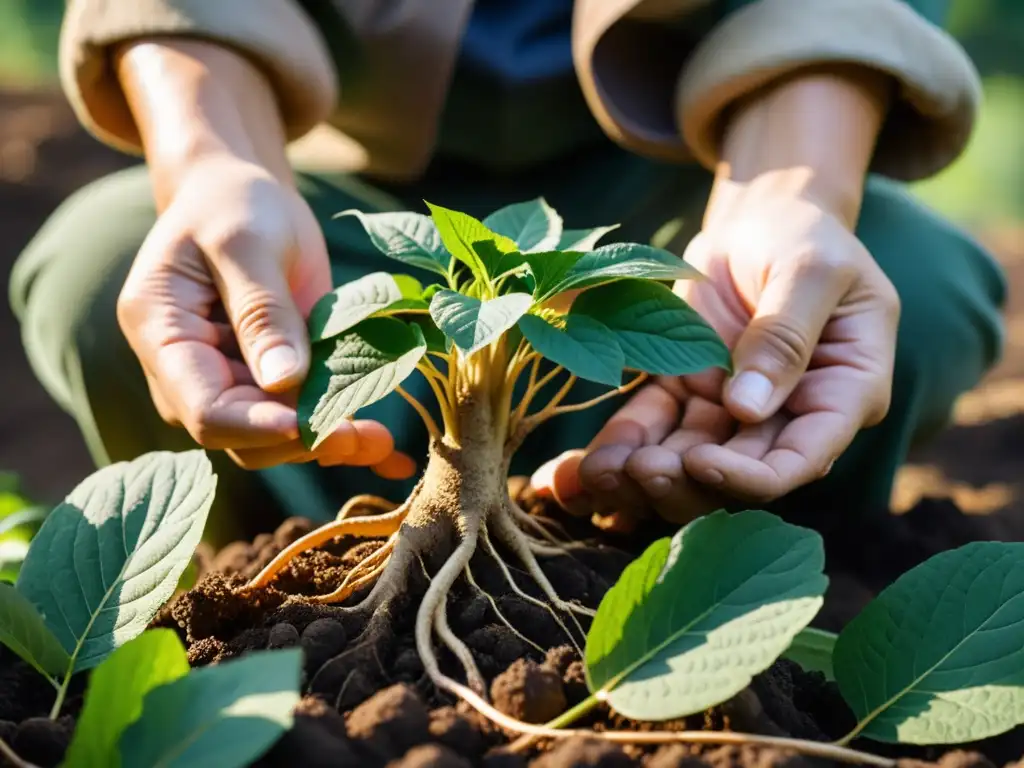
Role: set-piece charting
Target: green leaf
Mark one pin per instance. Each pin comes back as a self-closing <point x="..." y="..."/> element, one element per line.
<point x="221" y="716"/>
<point x="410" y="238"/>
<point x="24" y="631"/>
<point x="622" y="260"/>
<point x="584" y="347"/>
<point x="432" y="335"/>
<point x="352" y="303"/>
<point x="938" y="656"/>
<point x="658" y="331"/>
<point x="111" y="554"/>
<point x="357" y="368"/>
<point x="812" y="649"/>
<point x="533" y="225"/>
<point x="692" y="620"/>
<point x="473" y="324"/>
<point x="460" y="233"/>
<point x="547" y="268"/>
<point x="583" y="239"/>
<point x="114" y="698"/>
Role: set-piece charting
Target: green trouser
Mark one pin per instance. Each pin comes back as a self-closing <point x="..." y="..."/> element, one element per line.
<point x="66" y="283"/>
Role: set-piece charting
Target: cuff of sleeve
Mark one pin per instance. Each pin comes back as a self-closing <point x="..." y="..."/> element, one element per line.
<point x="276" y="35"/>
<point x="929" y="124"/>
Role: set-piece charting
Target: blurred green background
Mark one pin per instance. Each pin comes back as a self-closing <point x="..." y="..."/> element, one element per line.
<point x="983" y="190"/>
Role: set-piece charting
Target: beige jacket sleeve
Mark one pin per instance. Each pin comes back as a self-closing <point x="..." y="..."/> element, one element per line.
<point x="671" y="101"/>
<point x="276" y="34"/>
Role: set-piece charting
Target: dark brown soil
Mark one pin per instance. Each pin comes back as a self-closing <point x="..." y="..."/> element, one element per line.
<point x="372" y="705"/>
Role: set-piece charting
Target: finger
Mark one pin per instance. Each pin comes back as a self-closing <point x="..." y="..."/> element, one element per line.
<point x="803" y="452"/>
<point x="197" y="380"/>
<point x="269" y="327"/>
<point x="373" y="444"/>
<point x="397" y="466"/>
<point x="775" y="349"/>
<point x="755" y="440"/>
<point x="162" y="310"/>
<point x="645" y="419"/>
<point x="263" y="458"/>
<point x="659" y="469"/>
<point x="610" y="488"/>
<point x="558" y="479"/>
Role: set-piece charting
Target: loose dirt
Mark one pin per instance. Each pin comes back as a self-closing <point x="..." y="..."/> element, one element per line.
<point x="371" y="705"/>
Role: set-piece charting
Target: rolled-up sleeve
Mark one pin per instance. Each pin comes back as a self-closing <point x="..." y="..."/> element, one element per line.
<point x="277" y="35"/>
<point x="931" y="119"/>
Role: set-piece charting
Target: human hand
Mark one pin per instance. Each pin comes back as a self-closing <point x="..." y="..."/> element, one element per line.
<point x="809" y="316"/>
<point x="235" y="240"/>
<point x="215" y="303"/>
<point x="811" y="321"/>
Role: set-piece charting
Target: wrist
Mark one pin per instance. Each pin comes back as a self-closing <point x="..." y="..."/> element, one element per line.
<point x="194" y="101"/>
<point x="810" y="136"/>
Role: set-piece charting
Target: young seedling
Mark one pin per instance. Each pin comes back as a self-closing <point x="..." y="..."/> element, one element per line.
<point x="499" y="311"/>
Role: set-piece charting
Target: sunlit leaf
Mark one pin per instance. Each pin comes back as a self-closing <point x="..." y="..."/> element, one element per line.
<point x="473" y="324"/>
<point x="355" y="369"/>
<point x="692" y="620"/>
<point x="623" y="260"/>
<point x="460" y="232"/>
<point x="112" y="553"/>
<point x="938" y="656"/>
<point x="410" y="238"/>
<point x="533" y="225"/>
<point x="352" y="303"/>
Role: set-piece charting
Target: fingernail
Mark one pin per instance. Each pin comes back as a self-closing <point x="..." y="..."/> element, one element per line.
<point x="277" y="363"/>
<point x="606" y="482"/>
<point x="752" y="390"/>
<point x="657" y="487"/>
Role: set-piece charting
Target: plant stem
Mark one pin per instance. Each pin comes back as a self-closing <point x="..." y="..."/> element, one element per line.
<point x="561" y="410"/>
<point x="428" y="420"/>
<point x="62" y="692"/>
<point x="12" y="757"/>
<point x="575" y="713"/>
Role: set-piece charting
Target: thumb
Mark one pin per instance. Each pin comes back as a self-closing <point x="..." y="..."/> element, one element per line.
<point x="270" y="329"/>
<point x="774" y="350"/>
<point x="559" y="478"/>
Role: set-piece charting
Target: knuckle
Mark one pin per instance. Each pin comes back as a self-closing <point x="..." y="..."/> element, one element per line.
<point x="785" y="342"/>
<point x="259" y="311"/>
<point x="132" y="307"/>
<point x="200" y="425"/>
<point x="243" y="234"/>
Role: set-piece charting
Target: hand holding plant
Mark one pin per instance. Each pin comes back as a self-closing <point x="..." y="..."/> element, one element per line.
<point x="811" y="320"/>
<point x="215" y="303"/>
